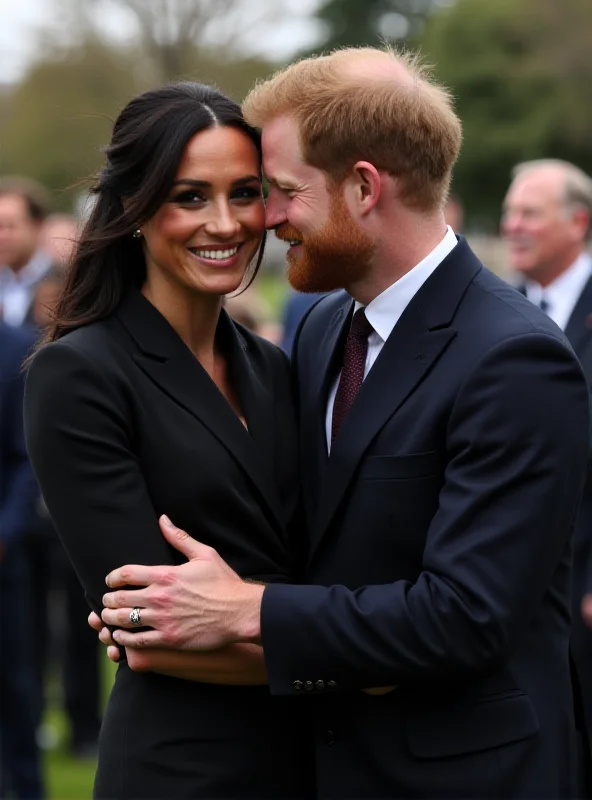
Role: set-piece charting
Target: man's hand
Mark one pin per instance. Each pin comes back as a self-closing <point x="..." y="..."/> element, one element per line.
<point x="96" y="623"/>
<point x="201" y="605"/>
<point x="586" y="609"/>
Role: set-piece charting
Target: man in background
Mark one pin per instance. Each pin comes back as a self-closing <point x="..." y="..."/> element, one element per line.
<point x="19" y="759"/>
<point x="24" y="205"/>
<point x="546" y="223"/>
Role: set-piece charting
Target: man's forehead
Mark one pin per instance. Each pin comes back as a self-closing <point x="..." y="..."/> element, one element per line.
<point x="543" y="184"/>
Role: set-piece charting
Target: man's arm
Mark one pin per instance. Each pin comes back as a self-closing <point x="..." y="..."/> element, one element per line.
<point x="20" y="490"/>
<point x="517" y="444"/>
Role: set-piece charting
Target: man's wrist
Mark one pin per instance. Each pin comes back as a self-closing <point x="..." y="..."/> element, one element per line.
<point x="249" y="616"/>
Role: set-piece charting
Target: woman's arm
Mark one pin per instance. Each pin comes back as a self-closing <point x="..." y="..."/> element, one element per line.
<point x="233" y="665"/>
<point x="79" y="431"/>
<point x="238" y="665"/>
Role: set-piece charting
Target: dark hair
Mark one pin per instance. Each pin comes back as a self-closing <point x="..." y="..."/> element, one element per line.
<point x="35" y="195"/>
<point x="149" y="137"/>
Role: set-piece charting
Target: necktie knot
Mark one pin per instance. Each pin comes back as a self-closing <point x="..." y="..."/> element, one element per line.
<point x="360" y="327"/>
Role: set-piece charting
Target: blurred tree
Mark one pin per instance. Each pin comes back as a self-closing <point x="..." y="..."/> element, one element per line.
<point x="56" y="119"/>
<point x="61" y="113"/>
<point x="522" y="76"/>
<point x="355" y="23"/>
<point x="170" y="33"/>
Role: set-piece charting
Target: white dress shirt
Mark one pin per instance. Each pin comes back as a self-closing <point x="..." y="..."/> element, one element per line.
<point x="17" y="288"/>
<point x="562" y="294"/>
<point x="384" y="311"/>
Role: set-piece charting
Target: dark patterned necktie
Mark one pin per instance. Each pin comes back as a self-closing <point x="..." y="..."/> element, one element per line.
<point x="352" y="374"/>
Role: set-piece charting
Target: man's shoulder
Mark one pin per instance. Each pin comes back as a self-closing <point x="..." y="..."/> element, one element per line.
<point x="16" y="343"/>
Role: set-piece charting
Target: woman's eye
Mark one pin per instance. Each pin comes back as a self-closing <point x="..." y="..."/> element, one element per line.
<point x="189" y="198"/>
<point x="246" y="193"/>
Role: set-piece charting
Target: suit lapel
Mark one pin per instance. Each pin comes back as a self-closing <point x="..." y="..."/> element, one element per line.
<point x="326" y="363"/>
<point x="170" y="364"/>
<point x="417" y="341"/>
<point x="579" y="326"/>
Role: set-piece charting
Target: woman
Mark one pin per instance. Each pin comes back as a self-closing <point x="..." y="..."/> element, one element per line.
<point x="149" y="399"/>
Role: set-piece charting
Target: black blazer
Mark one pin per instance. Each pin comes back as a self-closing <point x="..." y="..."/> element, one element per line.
<point x="441" y="531"/>
<point x="122" y="425"/>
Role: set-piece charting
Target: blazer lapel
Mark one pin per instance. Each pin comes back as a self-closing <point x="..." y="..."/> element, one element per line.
<point x="325" y="366"/>
<point x="417" y="341"/>
<point x="170" y="364"/>
<point x="579" y="326"/>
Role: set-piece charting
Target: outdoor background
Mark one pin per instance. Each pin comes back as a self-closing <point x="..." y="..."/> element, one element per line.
<point x="520" y="70"/>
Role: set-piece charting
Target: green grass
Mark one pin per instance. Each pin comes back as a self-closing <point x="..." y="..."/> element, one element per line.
<point x="68" y="778"/>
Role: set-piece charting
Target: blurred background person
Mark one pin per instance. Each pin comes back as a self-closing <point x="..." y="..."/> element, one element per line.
<point x="20" y="774"/>
<point x="24" y="205"/>
<point x="249" y="309"/>
<point x="58" y="238"/>
<point x="68" y="648"/>
<point x="546" y="223"/>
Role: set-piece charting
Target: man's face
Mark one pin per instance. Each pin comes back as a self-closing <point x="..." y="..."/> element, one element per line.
<point x="543" y="236"/>
<point x="328" y="249"/>
<point x="19" y="233"/>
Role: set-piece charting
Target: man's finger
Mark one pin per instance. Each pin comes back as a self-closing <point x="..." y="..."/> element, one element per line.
<point x="140" y="640"/>
<point x="105" y="637"/>
<point x="120" y="618"/>
<point x="130" y="598"/>
<point x="132" y="575"/>
<point x="95" y="621"/>
<point x="181" y="540"/>
<point x="113" y="653"/>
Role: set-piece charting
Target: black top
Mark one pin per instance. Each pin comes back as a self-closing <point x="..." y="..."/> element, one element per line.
<point x="122" y="425"/>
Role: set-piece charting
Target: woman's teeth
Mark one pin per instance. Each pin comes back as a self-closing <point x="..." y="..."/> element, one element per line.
<point x="215" y="255"/>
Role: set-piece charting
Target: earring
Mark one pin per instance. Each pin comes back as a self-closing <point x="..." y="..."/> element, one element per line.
<point x="137" y="233"/>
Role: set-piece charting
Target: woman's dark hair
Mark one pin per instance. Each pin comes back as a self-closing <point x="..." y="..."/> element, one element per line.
<point x="149" y="137"/>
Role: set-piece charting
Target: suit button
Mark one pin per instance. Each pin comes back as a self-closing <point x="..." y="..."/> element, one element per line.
<point x="320" y="686"/>
<point x="309" y="686"/>
<point x="330" y="738"/>
<point x="298" y="685"/>
<point x="331" y="685"/>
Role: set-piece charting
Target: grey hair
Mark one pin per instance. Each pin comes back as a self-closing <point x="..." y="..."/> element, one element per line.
<point x="577" y="188"/>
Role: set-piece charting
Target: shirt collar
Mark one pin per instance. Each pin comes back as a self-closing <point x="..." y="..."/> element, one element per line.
<point x="570" y="283"/>
<point x="384" y="311"/>
<point x="35" y="269"/>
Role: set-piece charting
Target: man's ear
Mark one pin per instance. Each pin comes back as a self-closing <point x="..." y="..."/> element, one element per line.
<point x="365" y="187"/>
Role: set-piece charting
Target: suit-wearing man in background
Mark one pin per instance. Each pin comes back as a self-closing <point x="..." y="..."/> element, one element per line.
<point x="26" y="282"/>
<point x="19" y="759"/>
<point x="431" y="639"/>
<point x="546" y="222"/>
<point x="24" y="205"/>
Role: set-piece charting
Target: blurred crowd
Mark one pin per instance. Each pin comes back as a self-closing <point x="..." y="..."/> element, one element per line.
<point x="44" y="636"/>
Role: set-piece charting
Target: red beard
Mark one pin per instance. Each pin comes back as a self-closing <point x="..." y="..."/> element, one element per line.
<point x="337" y="256"/>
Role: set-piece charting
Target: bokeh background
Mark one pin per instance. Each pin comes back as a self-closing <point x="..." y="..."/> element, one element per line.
<point x="520" y="71"/>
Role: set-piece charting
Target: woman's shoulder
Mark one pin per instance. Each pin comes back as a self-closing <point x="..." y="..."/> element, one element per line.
<point x="93" y="346"/>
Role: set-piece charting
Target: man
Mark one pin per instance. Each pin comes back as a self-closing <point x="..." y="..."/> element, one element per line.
<point x="439" y="490"/>
<point x="546" y="223"/>
<point x="19" y="759"/>
<point x="23" y="263"/>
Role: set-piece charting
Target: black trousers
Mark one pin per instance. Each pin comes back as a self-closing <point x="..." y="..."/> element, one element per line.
<point x="20" y="772"/>
<point x="65" y="638"/>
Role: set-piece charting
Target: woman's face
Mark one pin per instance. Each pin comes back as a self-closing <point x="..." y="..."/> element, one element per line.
<point x="206" y="233"/>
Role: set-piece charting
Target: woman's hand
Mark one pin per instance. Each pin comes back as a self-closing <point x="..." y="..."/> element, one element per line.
<point x="98" y="625"/>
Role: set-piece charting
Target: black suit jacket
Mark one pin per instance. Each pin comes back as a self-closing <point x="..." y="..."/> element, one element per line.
<point x="441" y="531"/>
<point x="122" y="425"/>
<point x="17" y="485"/>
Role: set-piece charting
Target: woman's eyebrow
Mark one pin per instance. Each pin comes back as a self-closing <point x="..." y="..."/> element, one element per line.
<point x="205" y="184"/>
